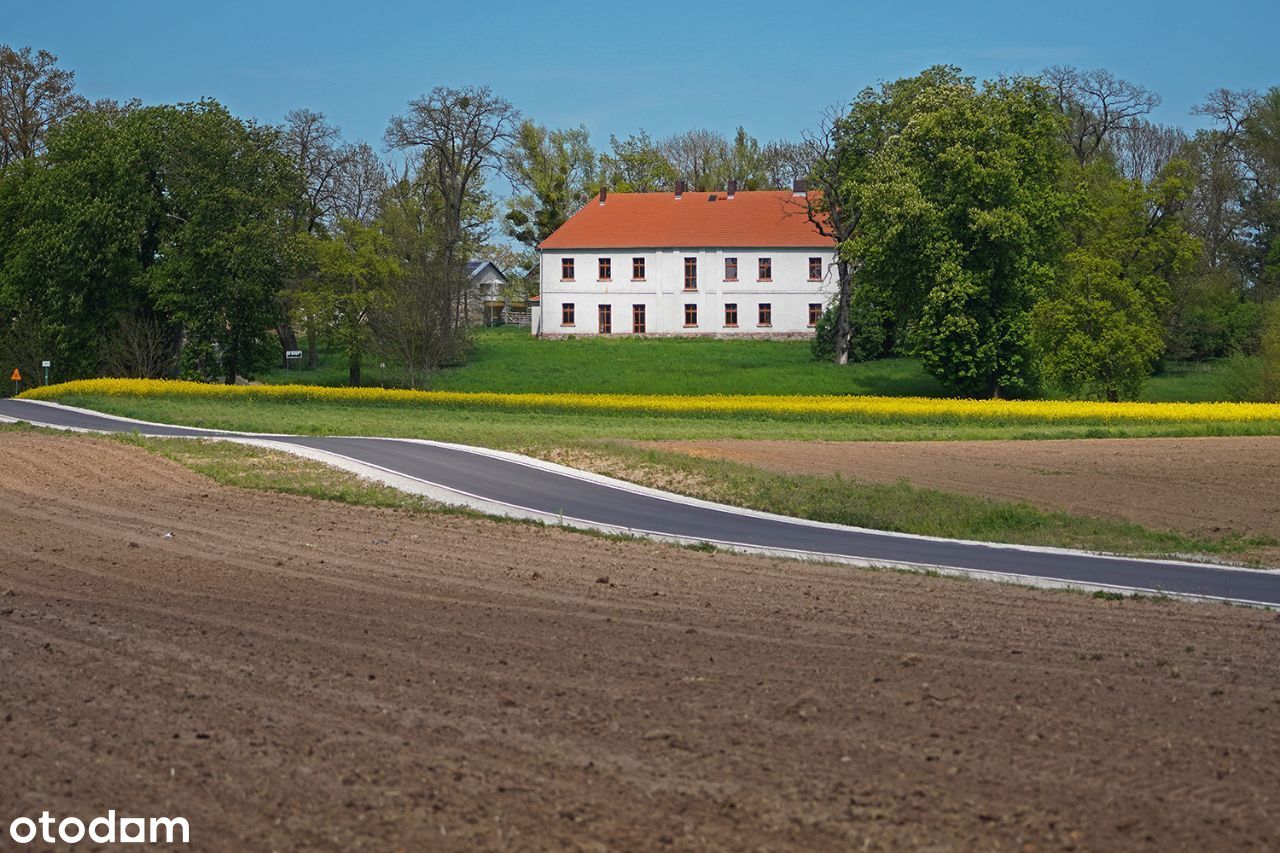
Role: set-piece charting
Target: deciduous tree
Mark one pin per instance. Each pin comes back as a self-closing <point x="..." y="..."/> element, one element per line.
<point x="227" y="187"/>
<point x="355" y="269"/>
<point x="35" y="94"/>
<point x="1098" y="325"/>
<point x="959" y="219"/>
<point x="636" y="165"/>
<point x="554" y="173"/>
<point x="78" y="230"/>
<point x="459" y="137"/>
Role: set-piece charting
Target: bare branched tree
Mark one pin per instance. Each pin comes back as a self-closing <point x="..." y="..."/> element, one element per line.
<point x="1223" y="167"/>
<point x="460" y="136"/>
<point x="35" y="94"/>
<point x="361" y="183"/>
<point x="1098" y="105"/>
<point x="698" y="156"/>
<point x="316" y="148"/>
<point x="1142" y="151"/>
<point x="142" y="347"/>
<point x="1228" y="107"/>
<point x="786" y="162"/>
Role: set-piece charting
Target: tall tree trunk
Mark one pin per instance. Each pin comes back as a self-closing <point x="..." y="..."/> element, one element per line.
<point x="288" y="340"/>
<point x="447" y="307"/>
<point x="844" y="329"/>
<point x="353" y="371"/>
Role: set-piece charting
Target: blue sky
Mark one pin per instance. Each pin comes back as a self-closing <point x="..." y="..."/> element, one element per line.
<point x="769" y="66"/>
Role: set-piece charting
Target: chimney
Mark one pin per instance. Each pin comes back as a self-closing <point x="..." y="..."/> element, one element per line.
<point x="799" y="187"/>
<point x="604" y="193"/>
<point x="679" y="189"/>
<point x="733" y="188"/>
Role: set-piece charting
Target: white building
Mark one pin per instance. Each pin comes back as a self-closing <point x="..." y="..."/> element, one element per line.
<point x="687" y="263"/>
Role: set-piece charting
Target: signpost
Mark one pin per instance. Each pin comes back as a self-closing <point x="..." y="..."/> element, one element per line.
<point x="46" y="364"/>
<point x="292" y="355"/>
<point x="17" y="380"/>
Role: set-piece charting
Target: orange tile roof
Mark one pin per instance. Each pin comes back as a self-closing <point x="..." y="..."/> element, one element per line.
<point x="766" y="219"/>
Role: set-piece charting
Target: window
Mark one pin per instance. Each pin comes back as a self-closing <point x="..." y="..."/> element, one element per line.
<point x="815" y="269"/>
<point x="766" y="269"/>
<point x="606" y="319"/>
<point x="637" y="269"/>
<point x="730" y="269"/>
<point x="566" y="314"/>
<point x="815" y="313"/>
<point x="566" y="269"/>
<point x="731" y="314"/>
<point x="637" y="316"/>
<point x="766" y="314"/>
<point x="690" y="273"/>
<point x="690" y="314"/>
<point x="606" y="269"/>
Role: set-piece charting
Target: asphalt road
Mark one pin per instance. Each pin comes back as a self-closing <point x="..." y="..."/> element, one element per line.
<point x="575" y="499"/>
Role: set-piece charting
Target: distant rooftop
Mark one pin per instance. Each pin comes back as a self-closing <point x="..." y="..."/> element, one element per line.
<point x="474" y="268"/>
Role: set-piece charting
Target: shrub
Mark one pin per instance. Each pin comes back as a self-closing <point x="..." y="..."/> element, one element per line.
<point x="869" y="325"/>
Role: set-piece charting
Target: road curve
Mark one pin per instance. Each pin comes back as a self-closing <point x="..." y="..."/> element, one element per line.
<point x="529" y="488"/>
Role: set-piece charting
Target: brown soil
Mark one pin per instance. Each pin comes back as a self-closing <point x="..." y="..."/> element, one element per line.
<point x="1196" y="485"/>
<point x="291" y="673"/>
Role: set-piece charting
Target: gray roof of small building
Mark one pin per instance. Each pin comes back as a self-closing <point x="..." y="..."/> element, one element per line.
<point x="475" y="268"/>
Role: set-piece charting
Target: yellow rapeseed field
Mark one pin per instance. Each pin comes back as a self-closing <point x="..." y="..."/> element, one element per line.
<point x="917" y="409"/>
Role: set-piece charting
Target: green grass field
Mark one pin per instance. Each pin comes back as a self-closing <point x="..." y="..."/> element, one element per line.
<point x="511" y="360"/>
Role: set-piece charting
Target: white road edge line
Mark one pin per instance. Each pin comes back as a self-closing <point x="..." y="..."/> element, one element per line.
<point x="458" y="498"/>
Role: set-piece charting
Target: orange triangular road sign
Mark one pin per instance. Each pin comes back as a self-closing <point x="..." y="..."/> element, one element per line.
<point x="16" y="377"/>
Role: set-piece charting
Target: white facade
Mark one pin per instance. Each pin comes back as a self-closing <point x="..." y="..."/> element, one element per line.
<point x="786" y="299"/>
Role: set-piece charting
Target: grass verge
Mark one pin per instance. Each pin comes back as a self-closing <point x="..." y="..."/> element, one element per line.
<point x="249" y="467"/>
<point x="900" y="507"/>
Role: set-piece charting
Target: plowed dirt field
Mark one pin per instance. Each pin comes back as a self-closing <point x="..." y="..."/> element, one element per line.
<point x="290" y="673"/>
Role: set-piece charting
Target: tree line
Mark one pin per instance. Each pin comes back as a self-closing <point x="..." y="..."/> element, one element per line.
<point x="1025" y="230"/>
<point x="1009" y="233"/>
